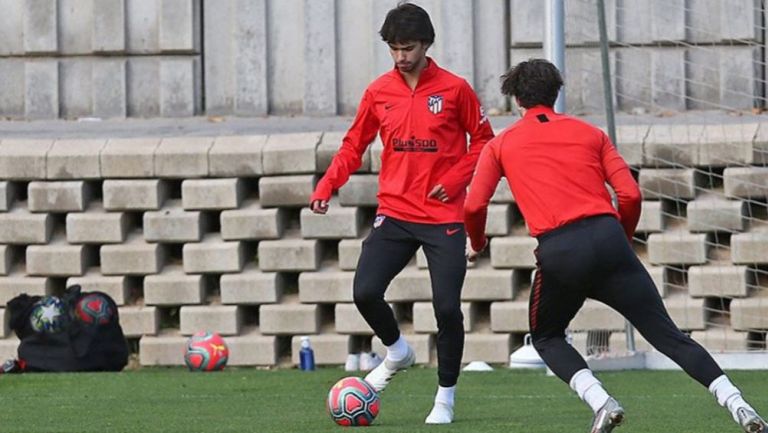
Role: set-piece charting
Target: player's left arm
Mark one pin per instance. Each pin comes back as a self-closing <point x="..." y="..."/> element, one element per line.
<point x="620" y="178"/>
<point x="481" y="189"/>
<point x="474" y="121"/>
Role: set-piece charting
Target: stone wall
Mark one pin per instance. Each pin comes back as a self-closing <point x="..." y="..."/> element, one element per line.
<point x="177" y="58"/>
<point x="193" y="233"/>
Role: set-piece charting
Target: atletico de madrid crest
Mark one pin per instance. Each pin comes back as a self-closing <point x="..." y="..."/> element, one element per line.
<point x="435" y="104"/>
<point x="379" y="221"/>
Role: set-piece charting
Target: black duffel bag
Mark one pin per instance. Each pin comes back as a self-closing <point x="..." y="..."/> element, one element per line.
<point x="80" y="331"/>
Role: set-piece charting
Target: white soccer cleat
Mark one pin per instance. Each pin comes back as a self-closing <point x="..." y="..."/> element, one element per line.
<point x="441" y="413"/>
<point x="353" y="362"/>
<point x="369" y="361"/>
<point x="610" y="416"/>
<point x="380" y="376"/>
<point x="751" y="421"/>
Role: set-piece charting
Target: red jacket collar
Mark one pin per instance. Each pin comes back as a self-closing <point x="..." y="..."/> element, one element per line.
<point x="429" y="71"/>
<point x="538" y="109"/>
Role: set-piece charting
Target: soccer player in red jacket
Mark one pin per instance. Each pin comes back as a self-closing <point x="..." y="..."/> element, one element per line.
<point x="423" y="114"/>
<point x="557" y="167"/>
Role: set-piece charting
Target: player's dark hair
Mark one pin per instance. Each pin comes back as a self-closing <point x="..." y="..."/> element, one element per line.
<point x="533" y="82"/>
<point x="406" y="23"/>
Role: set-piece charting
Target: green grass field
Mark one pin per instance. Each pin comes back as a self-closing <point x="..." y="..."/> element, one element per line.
<point x="248" y="400"/>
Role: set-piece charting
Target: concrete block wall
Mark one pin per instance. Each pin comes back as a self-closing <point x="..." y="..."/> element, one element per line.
<point x="145" y="58"/>
<point x="194" y="233"/>
<point x="667" y="55"/>
<point x="257" y="65"/>
<point x="100" y="58"/>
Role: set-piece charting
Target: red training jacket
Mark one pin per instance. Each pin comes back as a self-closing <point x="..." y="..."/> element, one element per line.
<point x="424" y="132"/>
<point x="557" y="167"/>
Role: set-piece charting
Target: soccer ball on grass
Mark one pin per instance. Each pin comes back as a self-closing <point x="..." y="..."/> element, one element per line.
<point x="353" y="402"/>
<point x="206" y="351"/>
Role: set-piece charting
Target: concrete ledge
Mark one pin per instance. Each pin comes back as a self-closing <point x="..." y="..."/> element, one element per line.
<point x="135" y="257"/>
<point x="24" y="159"/>
<point x="174" y="287"/>
<point x="720" y="281"/>
<point x="292" y="255"/>
<point x="62" y="196"/>
<point x="509" y="316"/>
<point x="289" y="319"/>
<point x="224" y="319"/>
<point x="488" y="285"/>
<point x="58" y="259"/>
<point x="129" y="157"/>
<point x="252" y="349"/>
<point x="213" y="255"/>
<point x="746" y="182"/>
<point x="183" y="157"/>
<point x="491" y="348"/>
<point x="287" y="191"/>
<point x="681" y="248"/>
<point x="17" y="283"/>
<point x="290" y="153"/>
<point x="746" y="248"/>
<point x="668" y="183"/>
<point x="173" y="224"/>
<point x="21" y="227"/>
<point x="144" y="194"/>
<point x="75" y="159"/>
<point x="138" y="321"/>
<point x="97" y="227"/>
<point x="212" y="194"/>
<point x="748" y="314"/>
<point x="325" y="287"/>
<point x="716" y="215"/>
<point x="237" y="156"/>
<point x="252" y="222"/>
<point x="513" y="252"/>
<point x="164" y="350"/>
<point x="252" y="287"/>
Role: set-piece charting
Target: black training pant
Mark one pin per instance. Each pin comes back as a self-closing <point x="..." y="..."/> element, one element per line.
<point x="591" y="258"/>
<point x="386" y="251"/>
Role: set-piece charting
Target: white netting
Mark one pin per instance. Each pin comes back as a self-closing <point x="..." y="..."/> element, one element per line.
<point x="689" y="76"/>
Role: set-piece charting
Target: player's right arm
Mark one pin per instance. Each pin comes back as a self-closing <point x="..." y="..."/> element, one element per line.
<point x="620" y="178"/>
<point x="487" y="175"/>
<point x="350" y="155"/>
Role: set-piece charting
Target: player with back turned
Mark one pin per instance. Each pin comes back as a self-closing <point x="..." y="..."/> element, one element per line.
<point x="557" y="167"/>
<point x="423" y="114"/>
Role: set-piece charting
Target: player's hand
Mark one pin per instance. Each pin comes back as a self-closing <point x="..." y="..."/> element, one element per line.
<point x="319" y="206"/>
<point x="438" y="192"/>
<point x="471" y="254"/>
